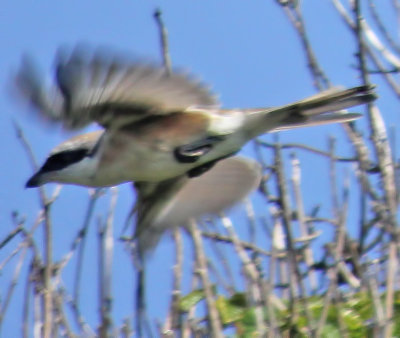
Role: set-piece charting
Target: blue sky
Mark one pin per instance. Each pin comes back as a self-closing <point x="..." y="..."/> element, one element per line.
<point x="246" y="50"/>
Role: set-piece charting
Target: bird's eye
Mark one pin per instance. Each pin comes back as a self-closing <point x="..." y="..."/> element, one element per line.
<point x="63" y="159"/>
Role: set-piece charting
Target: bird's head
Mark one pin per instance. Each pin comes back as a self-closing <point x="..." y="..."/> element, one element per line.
<point x="73" y="161"/>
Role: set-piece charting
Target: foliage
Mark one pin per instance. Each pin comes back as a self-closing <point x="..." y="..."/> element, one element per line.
<point x="353" y="317"/>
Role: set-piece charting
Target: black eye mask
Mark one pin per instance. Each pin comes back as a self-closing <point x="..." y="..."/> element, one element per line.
<point x="63" y="159"/>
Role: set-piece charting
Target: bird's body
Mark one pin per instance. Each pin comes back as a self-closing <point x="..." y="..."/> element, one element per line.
<point x="159" y="130"/>
<point x="147" y="148"/>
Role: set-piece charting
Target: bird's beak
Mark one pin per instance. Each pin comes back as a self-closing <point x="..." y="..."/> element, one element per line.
<point x="34" y="181"/>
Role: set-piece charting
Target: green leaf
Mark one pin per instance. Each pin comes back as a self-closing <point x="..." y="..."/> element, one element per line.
<point x="228" y="311"/>
<point x="352" y="319"/>
<point x="330" y="331"/>
<point x="248" y="323"/>
<point x="191" y="299"/>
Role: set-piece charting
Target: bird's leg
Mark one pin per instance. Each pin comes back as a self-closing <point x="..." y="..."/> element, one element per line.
<point x="190" y="153"/>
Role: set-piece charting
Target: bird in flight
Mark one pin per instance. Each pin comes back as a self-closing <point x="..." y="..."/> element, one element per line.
<point x="165" y="132"/>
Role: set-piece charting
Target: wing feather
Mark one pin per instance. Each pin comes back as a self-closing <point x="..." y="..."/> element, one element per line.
<point x="100" y="88"/>
<point x="162" y="206"/>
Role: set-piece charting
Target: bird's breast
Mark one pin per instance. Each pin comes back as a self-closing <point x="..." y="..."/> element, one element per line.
<point x="144" y="151"/>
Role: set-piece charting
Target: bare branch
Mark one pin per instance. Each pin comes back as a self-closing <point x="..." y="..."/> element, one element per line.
<point x="215" y="323"/>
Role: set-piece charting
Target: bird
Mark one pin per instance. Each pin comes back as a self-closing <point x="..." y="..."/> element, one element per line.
<point x="164" y="131"/>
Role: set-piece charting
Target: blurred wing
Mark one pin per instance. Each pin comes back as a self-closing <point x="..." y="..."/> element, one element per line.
<point x="174" y="202"/>
<point x="109" y="90"/>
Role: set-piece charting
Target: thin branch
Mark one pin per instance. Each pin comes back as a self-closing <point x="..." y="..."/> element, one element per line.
<point x="223" y="258"/>
<point x="309" y="149"/>
<point x="13" y="284"/>
<point x="11" y="235"/>
<point x="294" y="273"/>
<point x="296" y="19"/>
<point x="106" y="245"/>
<point x="163" y="40"/>
<point x="381" y="27"/>
<point x="173" y="318"/>
<point x="48" y="247"/>
<point x="81" y="239"/>
<point x="309" y="260"/>
<point x="227" y="239"/>
<point x="214" y="321"/>
<point x="251" y="272"/>
<point x="382" y="148"/>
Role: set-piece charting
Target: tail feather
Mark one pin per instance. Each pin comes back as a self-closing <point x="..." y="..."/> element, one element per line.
<point x="322" y="108"/>
<point x="335" y="99"/>
<point x="319" y="120"/>
<point x="330" y="100"/>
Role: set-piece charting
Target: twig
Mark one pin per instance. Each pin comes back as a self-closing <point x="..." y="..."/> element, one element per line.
<point x="294" y="273"/>
<point x="378" y="307"/>
<point x="25" y="311"/>
<point x="215" y="323"/>
<point x="251" y="219"/>
<point x="227" y="239"/>
<point x="11" y="235"/>
<point x="13" y="284"/>
<point x="61" y="317"/>
<point x="79" y="320"/>
<point x="187" y="327"/>
<point x="384" y="155"/>
<point x="106" y="245"/>
<point x="267" y="288"/>
<point x="251" y="272"/>
<point x="163" y="40"/>
<point x="374" y="58"/>
<point x="310" y="149"/>
<point x="296" y="18"/>
<point x="296" y="172"/>
<point x="222" y="258"/>
<point x="81" y="238"/>
<point x="173" y="319"/>
<point x="48" y="248"/>
<point x="381" y="27"/>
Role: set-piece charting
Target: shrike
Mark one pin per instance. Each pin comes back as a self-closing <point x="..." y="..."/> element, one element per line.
<point x="164" y="132"/>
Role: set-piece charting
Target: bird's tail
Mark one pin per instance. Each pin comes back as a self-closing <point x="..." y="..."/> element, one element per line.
<point x="322" y="108"/>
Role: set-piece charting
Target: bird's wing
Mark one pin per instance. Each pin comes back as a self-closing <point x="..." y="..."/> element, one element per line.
<point x="162" y="206"/>
<point x="109" y="90"/>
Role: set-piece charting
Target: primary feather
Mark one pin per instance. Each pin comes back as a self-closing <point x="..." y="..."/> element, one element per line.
<point x="102" y="88"/>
